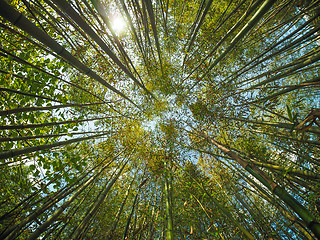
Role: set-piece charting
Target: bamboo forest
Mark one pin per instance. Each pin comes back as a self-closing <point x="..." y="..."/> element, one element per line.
<point x="159" y="119"/>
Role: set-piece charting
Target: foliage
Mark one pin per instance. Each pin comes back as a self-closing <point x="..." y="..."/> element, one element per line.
<point x="196" y="121"/>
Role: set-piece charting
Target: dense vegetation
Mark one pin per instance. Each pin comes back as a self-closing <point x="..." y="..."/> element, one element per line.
<point x="198" y="120"/>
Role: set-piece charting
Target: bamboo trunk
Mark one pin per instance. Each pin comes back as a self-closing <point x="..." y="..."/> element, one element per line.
<point x="305" y="215"/>
<point x="57" y="213"/>
<point x="18" y="19"/>
<point x="19" y="152"/>
<point x="168" y="202"/>
<point x="38" y="125"/>
<point x="101" y="198"/>
<point x="252" y="22"/>
<point x="33" y="109"/>
<point x="67" y="8"/>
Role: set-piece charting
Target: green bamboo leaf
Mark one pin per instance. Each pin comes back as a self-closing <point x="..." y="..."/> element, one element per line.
<point x="32" y="167"/>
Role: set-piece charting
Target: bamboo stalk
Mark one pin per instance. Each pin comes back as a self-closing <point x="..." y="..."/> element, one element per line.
<point x="154" y="30"/>
<point x="199" y="23"/>
<point x="66" y="7"/>
<point x="18" y="19"/>
<point x="125" y="233"/>
<point x="28" y="94"/>
<point x="19" y="152"/>
<point x="168" y="203"/>
<point x="272" y="47"/>
<point x="221" y="207"/>
<point x="13" y="139"/>
<point x="102" y="12"/>
<point x="33" y="109"/>
<point x="57" y="213"/>
<point x="120" y="210"/>
<point x="97" y="203"/>
<point x="306" y="216"/>
<point x="252" y="22"/>
<point x="38" y="125"/>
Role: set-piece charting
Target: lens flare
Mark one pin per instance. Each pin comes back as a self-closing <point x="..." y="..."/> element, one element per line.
<point x="118" y="24"/>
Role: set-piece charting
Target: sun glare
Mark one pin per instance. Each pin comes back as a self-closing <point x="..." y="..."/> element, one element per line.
<point x="118" y="24"/>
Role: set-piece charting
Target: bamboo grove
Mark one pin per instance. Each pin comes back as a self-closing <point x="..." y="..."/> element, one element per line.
<point x="196" y="120"/>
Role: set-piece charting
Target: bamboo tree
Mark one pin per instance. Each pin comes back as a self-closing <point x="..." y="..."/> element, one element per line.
<point x="137" y="40"/>
<point x="54" y="23"/>
<point x="12" y="139"/>
<point x="300" y="64"/>
<point x="125" y="233"/>
<point x="299" y="224"/>
<point x="28" y="94"/>
<point x="169" y="204"/>
<point x="53" y="217"/>
<point x="273" y="46"/>
<point x="164" y="18"/>
<point x="77" y="18"/>
<point x="68" y="82"/>
<point x="98" y="202"/>
<point x="19" y="152"/>
<point x="288" y="126"/>
<point x="32" y="109"/>
<point x="13" y="230"/>
<point x="222" y="209"/>
<point x="153" y="213"/>
<point x="199" y="23"/>
<point x="69" y="217"/>
<point x="37" y="125"/>
<point x="207" y="214"/>
<point x="248" y="12"/>
<point x="265" y="55"/>
<point x="102" y="11"/>
<point x="314" y="81"/>
<point x="22" y="22"/>
<point x="288" y="170"/>
<point x="154" y="30"/>
<point x="253" y="21"/>
<point x="133" y="207"/>
<point x="29" y="200"/>
<point x="120" y="210"/>
<point x="306" y="216"/>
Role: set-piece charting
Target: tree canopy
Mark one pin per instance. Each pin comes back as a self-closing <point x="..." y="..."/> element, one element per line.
<point x="159" y="119"/>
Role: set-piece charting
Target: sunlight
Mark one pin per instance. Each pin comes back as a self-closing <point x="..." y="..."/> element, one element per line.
<point x="118" y="24"/>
